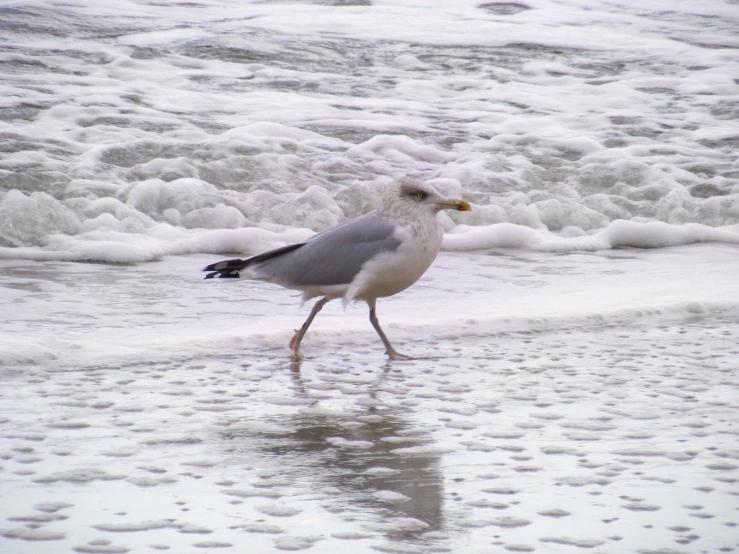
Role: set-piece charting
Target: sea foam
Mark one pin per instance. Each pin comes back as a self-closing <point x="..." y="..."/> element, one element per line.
<point x="546" y="116"/>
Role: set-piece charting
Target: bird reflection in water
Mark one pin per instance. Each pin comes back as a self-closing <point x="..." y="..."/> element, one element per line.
<point x="344" y="453"/>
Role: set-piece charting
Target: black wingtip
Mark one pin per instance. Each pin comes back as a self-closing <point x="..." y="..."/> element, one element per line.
<point x="217" y="266"/>
<point x="226" y="265"/>
<point x="222" y="273"/>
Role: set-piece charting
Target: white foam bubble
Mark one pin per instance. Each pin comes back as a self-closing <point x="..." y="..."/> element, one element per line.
<point x="391" y="497"/>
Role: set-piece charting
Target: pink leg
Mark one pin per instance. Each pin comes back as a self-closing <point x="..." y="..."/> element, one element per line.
<point x="391" y="352"/>
<point x="299" y="333"/>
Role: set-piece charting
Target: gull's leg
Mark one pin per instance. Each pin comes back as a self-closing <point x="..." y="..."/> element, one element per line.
<point x="391" y="352"/>
<point x="298" y="336"/>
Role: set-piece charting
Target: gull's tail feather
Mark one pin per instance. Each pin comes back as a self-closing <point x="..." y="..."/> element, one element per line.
<point x="230" y="269"/>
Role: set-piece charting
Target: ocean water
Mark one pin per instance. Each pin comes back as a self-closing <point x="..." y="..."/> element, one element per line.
<point x="576" y="343"/>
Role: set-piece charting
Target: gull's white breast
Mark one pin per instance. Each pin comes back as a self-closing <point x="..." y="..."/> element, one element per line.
<point x="391" y="272"/>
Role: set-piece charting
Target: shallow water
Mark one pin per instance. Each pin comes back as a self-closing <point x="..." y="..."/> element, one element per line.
<point x="157" y="411"/>
<point x="622" y="438"/>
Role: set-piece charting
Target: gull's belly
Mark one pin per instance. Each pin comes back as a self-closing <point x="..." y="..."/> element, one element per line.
<point x="391" y="272"/>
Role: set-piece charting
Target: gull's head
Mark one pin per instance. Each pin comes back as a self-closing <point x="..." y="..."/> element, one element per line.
<point x="412" y="194"/>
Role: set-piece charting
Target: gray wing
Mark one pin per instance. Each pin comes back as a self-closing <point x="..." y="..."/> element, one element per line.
<point x="333" y="257"/>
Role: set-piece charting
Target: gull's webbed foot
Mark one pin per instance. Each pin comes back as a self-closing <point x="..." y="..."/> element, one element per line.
<point x="300" y="333"/>
<point x="395" y="355"/>
<point x="297" y="355"/>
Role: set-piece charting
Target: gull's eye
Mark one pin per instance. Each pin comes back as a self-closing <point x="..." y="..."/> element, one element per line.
<point x="420" y="195"/>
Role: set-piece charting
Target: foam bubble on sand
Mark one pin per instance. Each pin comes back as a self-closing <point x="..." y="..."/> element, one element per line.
<point x="212" y="544"/>
<point x="581" y="543"/>
<point x="351" y="444"/>
<point x="380" y="471"/>
<point x="262" y="528"/>
<point x="51" y="507"/>
<point x="68" y="425"/>
<point x="519" y="548"/>
<point x="400" y="525"/>
<point x="581" y="481"/>
<point x="135" y="527"/>
<point x="80" y="476"/>
<point x="296" y="543"/>
<point x="151" y="481"/>
<point x="38" y="518"/>
<point x="554" y="512"/>
<point x="192" y="529"/>
<point x="391" y="497"/>
<point x="509" y="522"/>
<point x="639" y="507"/>
<point x="278" y="510"/>
<point x="31" y="534"/>
<point x="100" y="546"/>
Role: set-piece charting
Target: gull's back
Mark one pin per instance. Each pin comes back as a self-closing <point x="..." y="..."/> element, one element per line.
<point x="333" y="257"/>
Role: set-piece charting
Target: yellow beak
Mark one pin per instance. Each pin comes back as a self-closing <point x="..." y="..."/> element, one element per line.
<point x="455" y="204"/>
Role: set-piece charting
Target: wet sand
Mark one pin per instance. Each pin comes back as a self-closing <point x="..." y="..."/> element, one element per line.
<point x="596" y="434"/>
<point x="612" y="438"/>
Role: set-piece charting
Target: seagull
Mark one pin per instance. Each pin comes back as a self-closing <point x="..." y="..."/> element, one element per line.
<point x="372" y="256"/>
